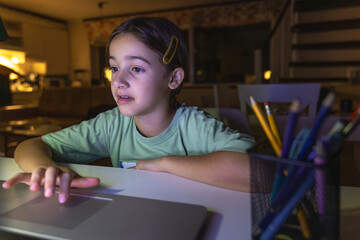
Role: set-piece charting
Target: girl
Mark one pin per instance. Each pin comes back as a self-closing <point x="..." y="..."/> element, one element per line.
<point x="149" y="129"/>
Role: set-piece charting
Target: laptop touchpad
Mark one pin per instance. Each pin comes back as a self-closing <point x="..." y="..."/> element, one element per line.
<point x="46" y="211"/>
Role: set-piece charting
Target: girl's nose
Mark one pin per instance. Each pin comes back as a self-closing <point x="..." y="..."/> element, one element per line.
<point x="119" y="79"/>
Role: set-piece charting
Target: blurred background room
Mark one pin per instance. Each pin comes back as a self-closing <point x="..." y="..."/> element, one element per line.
<point x="53" y="67"/>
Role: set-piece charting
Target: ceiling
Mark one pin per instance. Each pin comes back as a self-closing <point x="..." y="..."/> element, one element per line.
<point x="84" y="9"/>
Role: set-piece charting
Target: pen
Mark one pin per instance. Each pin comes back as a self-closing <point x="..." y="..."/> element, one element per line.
<point x="311" y="138"/>
<point x="303" y="222"/>
<point x="272" y="123"/>
<point x="325" y="149"/>
<point x="265" y="126"/>
<point x="352" y="124"/>
<point x="293" y="181"/>
<point x="333" y="139"/>
<point x="355" y="112"/>
<point x="320" y="176"/>
<point x="289" y="131"/>
<point x="298" y="142"/>
<point x="337" y="128"/>
<point x="281" y="198"/>
<point x="280" y="218"/>
<point x="324" y="110"/>
<point x="311" y="214"/>
<point x="337" y="138"/>
<point x="285" y="193"/>
<point x="338" y="134"/>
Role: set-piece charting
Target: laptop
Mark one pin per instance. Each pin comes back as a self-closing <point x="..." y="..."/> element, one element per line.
<point x="29" y="215"/>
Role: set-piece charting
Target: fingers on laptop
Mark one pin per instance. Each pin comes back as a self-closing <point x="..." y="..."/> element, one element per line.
<point x="36" y="178"/>
<point x="20" y="177"/>
<point x="65" y="180"/>
<point x="50" y="176"/>
<point x="85" y="182"/>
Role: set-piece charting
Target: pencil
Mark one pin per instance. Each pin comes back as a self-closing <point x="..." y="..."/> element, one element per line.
<point x="281" y="217"/>
<point x="265" y="127"/>
<point x="306" y="147"/>
<point x="311" y="138"/>
<point x="272" y="123"/>
<point x="305" y="228"/>
<point x="324" y="110"/>
<point x="353" y="123"/>
<point x="289" y="132"/>
<point x="320" y="175"/>
<point x="355" y="112"/>
<point x="294" y="109"/>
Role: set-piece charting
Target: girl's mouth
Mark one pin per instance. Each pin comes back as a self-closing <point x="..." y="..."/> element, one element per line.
<point x="124" y="99"/>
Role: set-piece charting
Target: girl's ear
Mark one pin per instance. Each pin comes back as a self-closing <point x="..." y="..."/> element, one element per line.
<point x="176" y="78"/>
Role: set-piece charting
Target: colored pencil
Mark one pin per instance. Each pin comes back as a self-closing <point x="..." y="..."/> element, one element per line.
<point x="289" y="132"/>
<point x="272" y="123"/>
<point x="310" y="141"/>
<point x="281" y="217"/>
<point x="265" y="127"/>
<point x="352" y="124"/>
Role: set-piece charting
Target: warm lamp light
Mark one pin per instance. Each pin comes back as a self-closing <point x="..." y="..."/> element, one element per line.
<point x="11" y="59"/>
<point x="15" y="60"/>
<point x="108" y="74"/>
<point x="267" y="75"/>
<point x="13" y="76"/>
<point x="7" y="63"/>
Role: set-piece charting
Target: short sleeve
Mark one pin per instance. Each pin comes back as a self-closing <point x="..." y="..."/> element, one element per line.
<point x="80" y="143"/>
<point x="223" y="138"/>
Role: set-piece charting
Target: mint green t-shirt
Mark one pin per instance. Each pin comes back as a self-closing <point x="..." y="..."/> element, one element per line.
<point x="111" y="134"/>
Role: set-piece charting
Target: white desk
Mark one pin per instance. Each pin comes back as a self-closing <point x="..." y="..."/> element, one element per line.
<point x="231" y="218"/>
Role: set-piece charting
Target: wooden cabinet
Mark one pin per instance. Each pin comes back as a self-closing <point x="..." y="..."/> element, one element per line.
<point x="48" y="44"/>
<point x="42" y="40"/>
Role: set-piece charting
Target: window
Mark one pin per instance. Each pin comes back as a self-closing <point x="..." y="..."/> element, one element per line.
<point x="225" y="55"/>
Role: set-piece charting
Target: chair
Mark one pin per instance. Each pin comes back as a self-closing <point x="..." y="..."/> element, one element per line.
<point x="232" y="117"/>
<point x="205" y="96"/>
<point x="280" y="97"/>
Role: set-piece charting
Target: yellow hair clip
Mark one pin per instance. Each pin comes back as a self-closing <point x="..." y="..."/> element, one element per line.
<point x="170" y="52"/>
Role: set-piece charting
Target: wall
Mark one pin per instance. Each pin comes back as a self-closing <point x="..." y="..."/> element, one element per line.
<point x="43" y="40"/>
<point x="235" y="14"/>
<point x="66" y="46"/>
<point x="209" y="20"/>
<point x="80" y="50"/>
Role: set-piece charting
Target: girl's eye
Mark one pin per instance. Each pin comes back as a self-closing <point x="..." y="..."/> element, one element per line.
<point x="137" y="69"/>
<point x="114" y="69"/>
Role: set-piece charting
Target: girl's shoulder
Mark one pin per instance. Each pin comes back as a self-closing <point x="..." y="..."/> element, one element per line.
<point x="195" y="113"/>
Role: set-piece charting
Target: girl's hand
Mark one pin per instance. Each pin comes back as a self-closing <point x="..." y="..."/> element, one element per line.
<point x="50" y="178"/>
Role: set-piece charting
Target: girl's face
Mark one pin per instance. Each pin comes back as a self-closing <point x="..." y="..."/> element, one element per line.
<point x="139" y="84"/>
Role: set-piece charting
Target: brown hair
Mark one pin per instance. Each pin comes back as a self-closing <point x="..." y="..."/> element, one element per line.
<point x="156" y="33"/>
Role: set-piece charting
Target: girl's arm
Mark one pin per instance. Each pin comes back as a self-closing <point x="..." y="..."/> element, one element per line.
<point x="33" y="153"/>
<point x="34" y="157"/>
<point x="225" y="169"/>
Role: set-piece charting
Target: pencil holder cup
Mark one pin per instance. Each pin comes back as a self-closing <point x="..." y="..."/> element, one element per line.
<point x="303" y="204"/>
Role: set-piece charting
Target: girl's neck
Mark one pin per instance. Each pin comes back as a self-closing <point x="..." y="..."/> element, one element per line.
<point x="155" y="124"/>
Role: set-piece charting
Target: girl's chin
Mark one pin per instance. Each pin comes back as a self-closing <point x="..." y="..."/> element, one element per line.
<point x="126" y="112"/>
